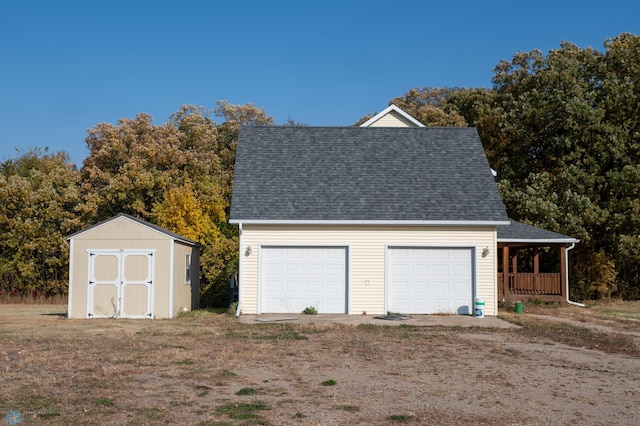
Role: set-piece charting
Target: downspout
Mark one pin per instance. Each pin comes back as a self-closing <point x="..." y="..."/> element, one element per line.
<point x="239" y="268"/>
<point x="566" y="271"/>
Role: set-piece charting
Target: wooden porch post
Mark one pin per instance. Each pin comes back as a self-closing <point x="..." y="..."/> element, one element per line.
<point x="536" y="269"/>
<point x="563" y="273"/>
<point x="505" y="271"/>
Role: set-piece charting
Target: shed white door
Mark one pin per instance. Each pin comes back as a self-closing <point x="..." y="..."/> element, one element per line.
<point x="430" y="280"/>
<point x="294" y="278"/>
<point x="120" y="284"/>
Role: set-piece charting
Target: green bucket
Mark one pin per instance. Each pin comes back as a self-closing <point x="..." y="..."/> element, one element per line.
<point x="519" y="307"/>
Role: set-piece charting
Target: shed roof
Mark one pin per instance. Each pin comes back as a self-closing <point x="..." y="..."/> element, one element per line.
<point x="155" y="227"/>
<point x="522" y="233"/>
<point x="429" y="175"/>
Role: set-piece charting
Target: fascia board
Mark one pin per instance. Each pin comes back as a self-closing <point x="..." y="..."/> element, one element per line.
<point x="370" y="222"/>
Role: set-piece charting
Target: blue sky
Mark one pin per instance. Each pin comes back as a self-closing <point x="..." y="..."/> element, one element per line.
<point x="67" y="65"/>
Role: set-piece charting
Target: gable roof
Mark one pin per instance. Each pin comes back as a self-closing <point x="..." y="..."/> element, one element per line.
<point x="356" y="175"/>
<point x="139" y="221"/>
<point x="391" y="110"/>
<point x="522" y="233"/>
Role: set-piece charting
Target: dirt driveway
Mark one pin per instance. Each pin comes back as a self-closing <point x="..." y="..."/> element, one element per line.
<point x="211" y="369"/>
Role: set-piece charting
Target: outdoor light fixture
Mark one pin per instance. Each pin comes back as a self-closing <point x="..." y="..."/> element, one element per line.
<point x="485" y="252"/>
<point x="247" y="252"/>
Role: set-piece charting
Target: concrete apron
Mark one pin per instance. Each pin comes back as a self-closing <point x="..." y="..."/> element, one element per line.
<point x="417" y="320"/>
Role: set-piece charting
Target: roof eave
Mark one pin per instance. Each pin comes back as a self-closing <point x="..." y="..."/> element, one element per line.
<point x="539" y="241"/>
<point x="388" y="109"/>
<point x="141" y="222"/>
<point x="371" y="222"/>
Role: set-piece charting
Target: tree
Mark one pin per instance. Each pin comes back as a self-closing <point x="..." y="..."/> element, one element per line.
<point x="39" y="193"/>
<point x="566" y="142"/>
<point x="178" y="175"/>
<point x="430" y="107"/>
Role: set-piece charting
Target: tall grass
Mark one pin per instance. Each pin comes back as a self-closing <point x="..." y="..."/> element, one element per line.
<point x="33" y="299"/>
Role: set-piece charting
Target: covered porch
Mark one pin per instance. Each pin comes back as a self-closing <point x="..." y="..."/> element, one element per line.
<point x="532" y="263"/>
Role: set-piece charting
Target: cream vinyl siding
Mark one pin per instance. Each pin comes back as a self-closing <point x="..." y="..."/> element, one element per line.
<point x="366" y="257"/>
<point x="392" y="119"/>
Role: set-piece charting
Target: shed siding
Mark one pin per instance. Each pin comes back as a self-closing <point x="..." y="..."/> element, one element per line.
<point x="182" y="290"/>
<point x="367" y="247"/>
<point x="118" y="234"/>
<point x="392" y="119"/>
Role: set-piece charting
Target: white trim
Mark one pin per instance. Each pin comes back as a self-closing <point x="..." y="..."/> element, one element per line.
<point x="70" y="291"/>
<point x="346" y="247"/>
<point x="372" y="222"/>
<point x="240" y="270"/>
<point x="540" y="241"/>
<point x="386" y="111"/>
<point x="171" y="262"/>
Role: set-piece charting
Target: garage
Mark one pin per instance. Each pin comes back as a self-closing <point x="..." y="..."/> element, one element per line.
<point x="428" y="280"/>
<point x="125" y="267"/>
<point x="294" y="278"/>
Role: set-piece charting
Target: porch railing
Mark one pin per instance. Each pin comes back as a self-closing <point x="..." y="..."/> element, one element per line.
<point x="542" y="284"/>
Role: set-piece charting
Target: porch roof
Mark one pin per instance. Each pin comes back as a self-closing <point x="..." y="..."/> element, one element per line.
<point x="517" y="232"/>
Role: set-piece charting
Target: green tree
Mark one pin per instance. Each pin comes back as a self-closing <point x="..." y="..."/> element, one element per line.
<point x="566" y="144"/>
<point x="430" y="107"/>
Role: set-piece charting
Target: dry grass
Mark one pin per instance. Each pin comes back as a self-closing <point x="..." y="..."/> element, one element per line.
<point x="623" y="314"/>
<point x="196" y="370"/>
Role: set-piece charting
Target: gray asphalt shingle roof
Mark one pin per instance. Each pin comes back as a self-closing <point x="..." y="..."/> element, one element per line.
<point x="517" y="231"/>
<point x="363" y="174"/>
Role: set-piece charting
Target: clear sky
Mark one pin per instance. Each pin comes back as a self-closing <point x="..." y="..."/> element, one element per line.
<point x="67" y="65"/>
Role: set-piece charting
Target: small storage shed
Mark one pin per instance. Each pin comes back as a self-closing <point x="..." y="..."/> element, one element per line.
<point x="125" y="267"/>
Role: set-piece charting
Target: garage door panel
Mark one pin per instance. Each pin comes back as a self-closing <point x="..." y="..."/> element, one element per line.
<point x="335" y="270"/>
<point x="315" y="287"/>
<point x="461" y="271"/>
<point x="315" y="270"/>
<point x="290" y="287"/>
<point x="429" y="280"/>
<point x="441" y="271"/>
<point x="320" y="279"/>
<point x="294" y="270"/>
<point x="335" y="288"/>
<point x="419" y="271"/>
<point x="418" y="289"/>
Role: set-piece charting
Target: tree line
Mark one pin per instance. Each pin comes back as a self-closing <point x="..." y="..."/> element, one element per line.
<point x="178" y="175"/>
<point x="562" y="130"/>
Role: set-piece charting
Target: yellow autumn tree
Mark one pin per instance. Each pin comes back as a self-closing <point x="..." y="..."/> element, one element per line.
<point x="182" y="212"/>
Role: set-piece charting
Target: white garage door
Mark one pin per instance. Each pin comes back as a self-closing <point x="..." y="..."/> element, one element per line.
<point x="294" y="278"/>
<point x="430" y="280"/>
